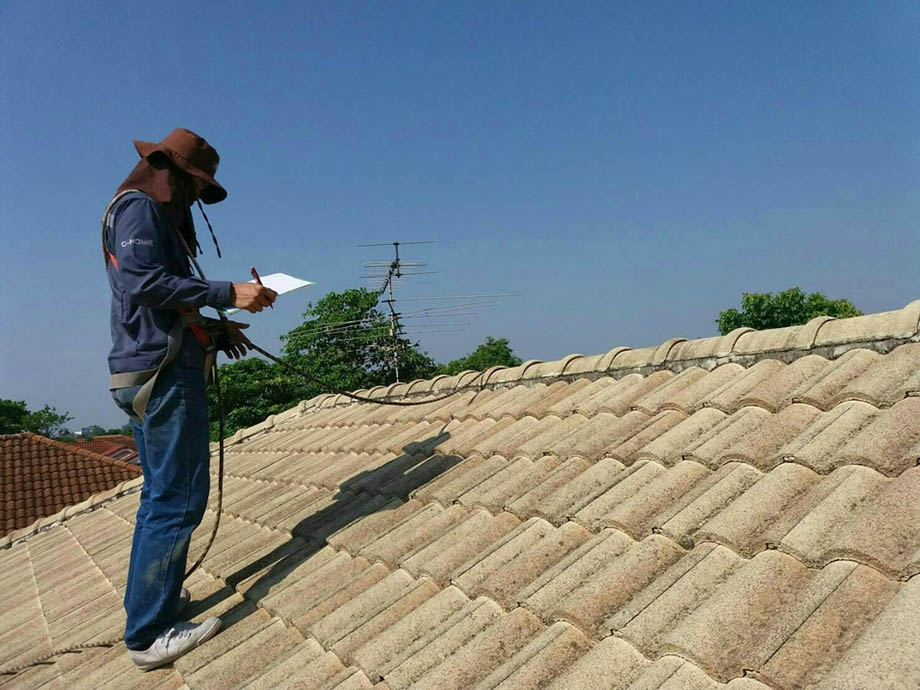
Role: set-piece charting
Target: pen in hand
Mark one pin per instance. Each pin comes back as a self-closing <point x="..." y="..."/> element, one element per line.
<point x="255" y="276"/>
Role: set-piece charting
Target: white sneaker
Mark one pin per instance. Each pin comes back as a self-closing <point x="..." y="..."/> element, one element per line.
<point x="173" y="642"/>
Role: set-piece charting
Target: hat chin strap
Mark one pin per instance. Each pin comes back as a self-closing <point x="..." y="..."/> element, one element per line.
<point x="210" y="229"/>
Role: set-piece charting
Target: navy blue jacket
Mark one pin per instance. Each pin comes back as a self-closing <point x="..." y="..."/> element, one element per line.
<point x="150" y="278"/>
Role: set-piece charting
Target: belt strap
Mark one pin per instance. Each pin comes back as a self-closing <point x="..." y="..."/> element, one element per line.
<point x="147" y="379"/>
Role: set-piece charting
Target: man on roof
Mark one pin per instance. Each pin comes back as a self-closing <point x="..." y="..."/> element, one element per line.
<point x="161" y="348"/>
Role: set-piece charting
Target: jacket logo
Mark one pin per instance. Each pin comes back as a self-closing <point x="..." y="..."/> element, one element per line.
<point x="142" y="243"/>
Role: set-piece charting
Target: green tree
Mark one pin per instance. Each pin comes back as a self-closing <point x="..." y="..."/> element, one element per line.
<point x="15" y="418"/>
<point x="345" y="341"/>
<point x="493" y="352"/>
<point x="252" y="389"/>
<point x="788" y="308"/>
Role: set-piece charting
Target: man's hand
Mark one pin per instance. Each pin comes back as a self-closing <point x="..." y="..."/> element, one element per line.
<point x="237" y="344"/>
<point x="228" y="337"/>
<point x="252" y="297"/>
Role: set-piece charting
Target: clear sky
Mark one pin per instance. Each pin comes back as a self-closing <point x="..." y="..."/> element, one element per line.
<point x="628" y="168"/>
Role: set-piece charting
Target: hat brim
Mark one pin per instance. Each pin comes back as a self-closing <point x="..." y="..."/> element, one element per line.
<point x="211" y="194"/>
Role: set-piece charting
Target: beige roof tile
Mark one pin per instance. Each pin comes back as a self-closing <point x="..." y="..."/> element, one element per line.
<point x="612" y="663"/>
<point x="779" y="390"/>
<point x="593" y="438"/>
<point x="592" y="482"/>
<point x="572" y="403"/>
<point x="619" y="399"/>
<point x="745" y="524"/>
<point x="554" y="368"/>
<point x="671" y="446"/>
<point x="504" y="442"/>
<point x="706" y="499"/>
<point x="489" y="648"/>
<point x="412" y="631"/>
<point x="509" y="402"/>
<point x="539" y="660"/>
<point x="628" y="445"/>
<point x="752" y="435"/>
<point x="883" y="529"/>
<point x="885" y="654"/>
<point x="315" y="586"/>
<point x="447" y="637"/>
<point x="320" y="607"/>
<point x="462" y="439"/>
<point x="528" y="503"/>
<point x="887" y="380"/>
<point x="819" y="445"/>
<point x="669" y="395"/>
<point x="551" y="431"/>
<point x="289" y="663"/>
<point x="651" y="613"/>
<point x="775" y="339"/>
<point x="901" y="323"/>
<point x="517" y="559"/>
<point x="554" y="394"/>
<point x="513" y="480"/>
<point x="773" y="594"/>
<point x="891" y="443"/>
<point x="376" y="615"/>
<point x="622" y="486"/>
<point x="821" y="390"/>
<point x="648" y="506"/>
<point x="462" y="543"/>
<point x="604" y="589"/>
<point x="416" y="532"/>
<point x="248" y="659"/>
<point x="831" y="628"/>
<point x="357" y="610"/>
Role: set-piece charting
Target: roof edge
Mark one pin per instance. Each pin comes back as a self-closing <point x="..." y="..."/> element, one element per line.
<point x="86" y="506"/>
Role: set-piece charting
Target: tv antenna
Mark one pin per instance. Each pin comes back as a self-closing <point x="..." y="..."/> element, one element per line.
<point x="382" y="277"/>
<point x="383" y="283"/>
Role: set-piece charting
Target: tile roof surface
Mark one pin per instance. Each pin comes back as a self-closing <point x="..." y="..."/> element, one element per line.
<point x="739" y="513"/>
<point x="116" y="446"/>
<point x="40" y="477"/>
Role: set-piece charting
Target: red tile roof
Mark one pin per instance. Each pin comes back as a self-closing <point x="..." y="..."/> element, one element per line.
<point x="116" y="446"/>
<point x="39" y="477"/>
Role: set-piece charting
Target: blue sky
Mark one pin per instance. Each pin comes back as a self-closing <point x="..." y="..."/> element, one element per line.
<point x="628" y="169"/>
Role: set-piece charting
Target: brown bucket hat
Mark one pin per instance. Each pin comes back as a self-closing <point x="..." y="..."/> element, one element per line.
<point x="194" y="155"/>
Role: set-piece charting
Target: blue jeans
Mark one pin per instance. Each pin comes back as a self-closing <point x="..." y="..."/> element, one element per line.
<point x="172" y="443"/>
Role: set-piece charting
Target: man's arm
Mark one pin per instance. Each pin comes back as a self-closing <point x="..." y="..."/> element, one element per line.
<point x="140" y="244"/>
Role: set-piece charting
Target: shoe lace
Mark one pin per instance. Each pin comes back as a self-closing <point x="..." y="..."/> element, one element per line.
<point x="177" y="633"/>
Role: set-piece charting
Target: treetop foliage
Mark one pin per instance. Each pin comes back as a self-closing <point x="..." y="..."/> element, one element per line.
<point x="790" y="307"/>
<point x="16" y="418"/>
<point x="493" y="352"/>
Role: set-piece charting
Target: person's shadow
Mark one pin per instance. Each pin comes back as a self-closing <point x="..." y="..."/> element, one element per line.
<point x="358" y="496"/>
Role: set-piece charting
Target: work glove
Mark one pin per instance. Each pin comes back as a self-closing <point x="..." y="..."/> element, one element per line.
<point x="228" y="337"/>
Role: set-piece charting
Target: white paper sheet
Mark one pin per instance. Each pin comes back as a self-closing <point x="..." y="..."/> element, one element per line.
<point x="281" y="283"/>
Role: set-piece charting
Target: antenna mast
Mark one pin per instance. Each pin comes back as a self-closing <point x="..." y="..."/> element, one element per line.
<point x="394" y="270"/>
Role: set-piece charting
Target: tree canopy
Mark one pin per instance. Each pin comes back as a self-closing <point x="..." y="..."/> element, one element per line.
<point x="790" y="307"/>
<point x="493" y="352"/>
<point x="345" y="342"/>
<point x="16" y="418"/>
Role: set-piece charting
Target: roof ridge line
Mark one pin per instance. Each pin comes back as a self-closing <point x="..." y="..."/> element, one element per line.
<point x="81" y="451"/>
<point x="823" y="335"/>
